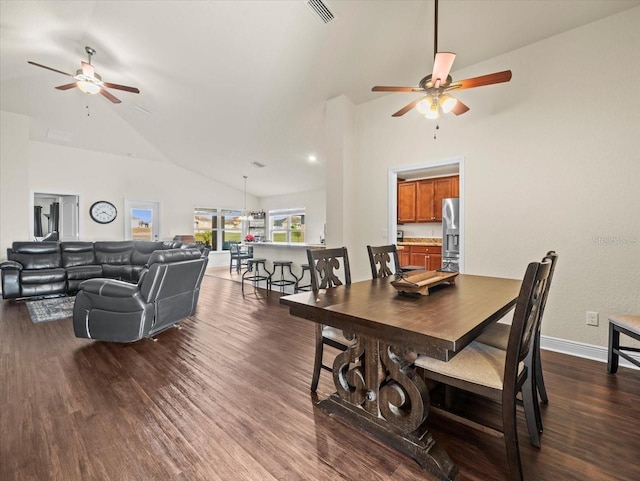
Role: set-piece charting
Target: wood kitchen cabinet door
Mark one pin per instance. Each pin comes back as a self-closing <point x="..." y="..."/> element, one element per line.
<point x="424" y="201"/>
<point x="455" y="186"/>
<point x="441" y="190"/>
<point x="434" y="262"/>
<point x="405" y="256"/>
<point x="406" y="202"/>
<point x="419" y="259"/>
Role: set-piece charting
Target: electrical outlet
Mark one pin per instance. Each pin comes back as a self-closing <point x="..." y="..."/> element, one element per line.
<point x="592" y="318"/>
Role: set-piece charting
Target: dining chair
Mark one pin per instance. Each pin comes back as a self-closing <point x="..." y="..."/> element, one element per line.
<point x="240" y="257"/>
<point x="497" y="374"/>
<point x="626" y="324"/>
<point x="380" y="259"/>
<point x="325" y="273"/>
<point x="497" y="335"/>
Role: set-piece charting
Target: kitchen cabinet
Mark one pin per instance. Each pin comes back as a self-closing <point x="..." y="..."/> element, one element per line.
<point x="425" y="211"/>
<point x="455" y="186"/>
<point x="421" y="200"/>
<point x="405" y="256"/>
<point x="429" y="257"/>
<point x="406" y="202"/>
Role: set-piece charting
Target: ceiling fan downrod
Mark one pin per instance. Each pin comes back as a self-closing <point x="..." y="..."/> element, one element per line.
<point x="435" y="31"/>
<point x="90" y="52"/>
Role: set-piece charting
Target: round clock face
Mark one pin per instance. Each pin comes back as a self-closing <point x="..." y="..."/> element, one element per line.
<point x="103" y="212"/>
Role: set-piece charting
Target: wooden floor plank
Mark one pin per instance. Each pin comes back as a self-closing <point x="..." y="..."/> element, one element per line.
<point x="227" y="398"/>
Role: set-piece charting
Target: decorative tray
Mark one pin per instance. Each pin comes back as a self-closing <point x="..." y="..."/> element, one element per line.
<point x="420" y="282"/>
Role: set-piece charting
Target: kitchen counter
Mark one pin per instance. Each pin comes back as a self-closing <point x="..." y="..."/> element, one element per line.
<point x="421" y="241"/>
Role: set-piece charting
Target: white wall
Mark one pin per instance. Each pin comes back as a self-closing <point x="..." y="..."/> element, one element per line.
<point x="29" y="167"/>
<point x="14" y="187"/>
<point x="314" y="203"/>
<point x="552" y="161"/>
<point x="341" y="176"/>
<point x="99" y="176"/>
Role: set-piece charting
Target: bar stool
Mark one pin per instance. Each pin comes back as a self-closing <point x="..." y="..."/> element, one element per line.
<point x="304" y="287"/>
<point x="257" y="276"/>
<point x="282" y="282"/>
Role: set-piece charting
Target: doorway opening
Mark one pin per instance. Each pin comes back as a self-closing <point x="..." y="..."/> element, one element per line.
<point x="55" y="213"/>
<point x="440" y="168"/>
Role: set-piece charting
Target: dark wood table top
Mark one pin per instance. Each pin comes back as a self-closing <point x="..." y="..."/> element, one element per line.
<point x="438" y="325"/>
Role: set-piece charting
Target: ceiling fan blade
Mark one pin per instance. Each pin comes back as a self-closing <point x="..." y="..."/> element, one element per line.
<point x="459" y="108"/>
<point x="492" y="78"/>
<point x="49" y="68"/>
<point x="396" y="89"/>
<point x="407" y="107"/>
<point x="115" y="100"/>
<point x="87" y="69"/>
<point x="441" y="66"/>
<point x="67" y="86"/>
<point x="122" y="87"/>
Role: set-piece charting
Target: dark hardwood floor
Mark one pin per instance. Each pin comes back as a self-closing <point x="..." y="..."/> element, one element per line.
<point x="227" y="398"/>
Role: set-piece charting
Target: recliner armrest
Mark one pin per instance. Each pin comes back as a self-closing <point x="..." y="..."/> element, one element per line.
<point x="109" y="288"/>
<point x="11" y="265"/>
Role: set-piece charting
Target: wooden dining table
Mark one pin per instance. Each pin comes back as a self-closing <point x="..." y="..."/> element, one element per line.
<point x="377" y="386"/>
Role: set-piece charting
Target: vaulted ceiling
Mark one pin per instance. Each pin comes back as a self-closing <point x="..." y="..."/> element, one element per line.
<point x="228" y="83"/>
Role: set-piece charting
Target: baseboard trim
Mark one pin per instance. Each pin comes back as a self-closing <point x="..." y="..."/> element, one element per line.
<point x="580" y="349"/>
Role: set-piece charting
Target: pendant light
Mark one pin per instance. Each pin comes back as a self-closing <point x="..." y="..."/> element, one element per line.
<point x="244" y="215"/>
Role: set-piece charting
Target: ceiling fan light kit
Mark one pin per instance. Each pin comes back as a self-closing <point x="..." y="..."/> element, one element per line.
<point x="438" y="85"/>
<point x="88" y="81"/>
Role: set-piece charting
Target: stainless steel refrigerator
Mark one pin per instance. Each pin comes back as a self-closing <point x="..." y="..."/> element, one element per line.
<point x="451" y="234"/>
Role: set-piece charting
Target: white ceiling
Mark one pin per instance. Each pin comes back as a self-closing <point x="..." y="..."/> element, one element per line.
<point x="232" y="82"/>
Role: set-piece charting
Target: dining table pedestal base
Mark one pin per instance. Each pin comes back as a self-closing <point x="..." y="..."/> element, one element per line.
<point x="418" y="444"/>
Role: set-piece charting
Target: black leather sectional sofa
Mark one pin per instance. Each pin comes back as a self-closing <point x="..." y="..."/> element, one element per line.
<point x="37" y="269"/>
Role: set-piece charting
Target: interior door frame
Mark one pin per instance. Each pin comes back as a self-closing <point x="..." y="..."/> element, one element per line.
<point x="393" y="198"/>
<point x="154" y="205"/>
<point x="57" y="193"/>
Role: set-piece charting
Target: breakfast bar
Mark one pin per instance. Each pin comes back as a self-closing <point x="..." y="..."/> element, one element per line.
<point x="290" y="251"/>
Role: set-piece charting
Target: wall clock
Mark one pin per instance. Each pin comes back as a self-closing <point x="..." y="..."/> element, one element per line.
<point x="103" y="212"/>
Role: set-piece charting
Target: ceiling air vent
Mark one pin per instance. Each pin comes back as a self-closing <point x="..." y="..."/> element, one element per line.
<point x="258" y="164"/>
<point x="320" y="9"/>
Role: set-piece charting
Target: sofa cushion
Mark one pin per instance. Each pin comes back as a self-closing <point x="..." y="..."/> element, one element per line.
<point x="115" y="253"/>
<point x="136" y="272"/>
<point x="36" y="255"/>
<point x="77" y="254"/>
<point x="42" y="276"/>
<point x="123" y="272"/>
<point x="32" y="290"/>
<point x="84" y="272"/>
<point x="142" y="251"/>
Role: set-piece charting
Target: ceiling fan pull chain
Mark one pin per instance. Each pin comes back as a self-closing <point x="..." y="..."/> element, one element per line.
<point x="436" y="131"/>
<point x="88" y="112"/>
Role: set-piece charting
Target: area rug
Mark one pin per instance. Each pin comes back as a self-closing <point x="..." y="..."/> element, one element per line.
<point x="45" y="310"/>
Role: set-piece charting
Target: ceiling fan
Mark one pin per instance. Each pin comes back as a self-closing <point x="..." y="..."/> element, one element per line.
<point x="438" y="85"/>
<point x="89" y="81"/>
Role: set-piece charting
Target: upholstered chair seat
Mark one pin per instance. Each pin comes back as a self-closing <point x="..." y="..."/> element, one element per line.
<point x="477" y="364"/>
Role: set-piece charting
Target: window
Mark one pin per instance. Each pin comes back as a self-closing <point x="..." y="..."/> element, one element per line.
<point x="287" y="225"/>
<point x="217" y="227"/>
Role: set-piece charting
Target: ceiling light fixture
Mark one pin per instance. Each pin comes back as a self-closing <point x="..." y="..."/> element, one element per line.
<point x="312" y="158"/>
<point x="87" y="86"/>
<point x="433" y="107"/>
<point x="88" y="80"/>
